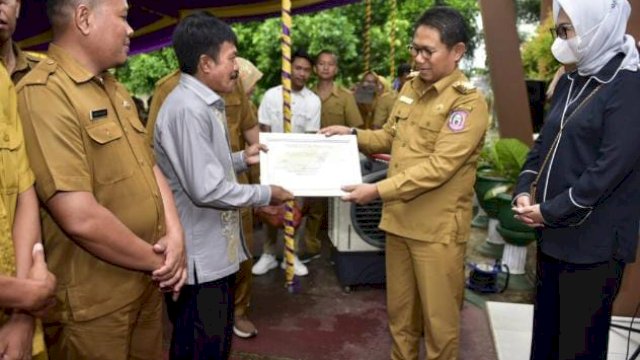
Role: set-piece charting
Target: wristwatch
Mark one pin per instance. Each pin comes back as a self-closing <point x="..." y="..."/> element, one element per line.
<point x="354" y="131"/>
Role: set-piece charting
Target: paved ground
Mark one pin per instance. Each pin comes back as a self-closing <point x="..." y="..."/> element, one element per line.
<point x="321" y="321"/>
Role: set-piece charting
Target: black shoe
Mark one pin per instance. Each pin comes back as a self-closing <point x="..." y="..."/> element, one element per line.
<point x="308" y="257"/>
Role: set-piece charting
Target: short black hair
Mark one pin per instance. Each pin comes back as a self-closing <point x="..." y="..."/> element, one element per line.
<point x="61" y="11"/>
<point x="302" y="53"/>
<point x="327" y="52"/>
<point x="200" y="34"/>
<point x="448" y="21"/>
<point x="403" y="69"/>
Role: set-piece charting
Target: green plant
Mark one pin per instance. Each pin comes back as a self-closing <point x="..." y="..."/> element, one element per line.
<point x="504" y="158"/>
<point x="537" y="59"/>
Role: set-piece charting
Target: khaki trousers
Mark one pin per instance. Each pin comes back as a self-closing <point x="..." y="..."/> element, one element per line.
<point x="316" y="214"/>
<point x="425" y="286"/>
<point x="132" y="332"/>
<point x="244" y="278"/>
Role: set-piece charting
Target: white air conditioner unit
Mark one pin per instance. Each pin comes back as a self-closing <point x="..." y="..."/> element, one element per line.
<point x="354" y="228"/>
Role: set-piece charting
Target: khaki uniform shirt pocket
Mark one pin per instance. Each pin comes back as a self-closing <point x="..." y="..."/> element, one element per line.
<point x="427" y="133"/>
<point x="109" y="151"/>
<point x="333" y="116"/>
<point x="9" y="144"/>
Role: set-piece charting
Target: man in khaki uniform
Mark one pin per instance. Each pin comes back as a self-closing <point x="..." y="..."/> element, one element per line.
<point x="243" y="130"/>
<point x="20" y="336"/>
<point x="435" y="134"/>
<point x="110" y="227"/>
<point x="338" y="108"/>
<point x="387" y="100"/>
<point x="17" y="62"/>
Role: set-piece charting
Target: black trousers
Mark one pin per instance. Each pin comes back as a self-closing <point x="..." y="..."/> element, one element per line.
<point x="202" y="320"/>
<point x="572" y="309"/>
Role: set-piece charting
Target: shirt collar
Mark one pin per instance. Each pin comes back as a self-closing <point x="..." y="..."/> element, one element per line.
<point x="21" y="59"/>
<point x="70" y="66"/>
<point x="304" y="92"/>
<point x="606" y="73"/>
<point x="334" y="89"/>
<point x="207" y="95"/>
<point x="421" y="87"/>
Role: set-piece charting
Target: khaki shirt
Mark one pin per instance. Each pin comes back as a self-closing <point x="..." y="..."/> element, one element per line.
<point x="15" y="178"/>
<point x="339" y="108"/>
<point x="241" y="115"/>
<point x="383" y="108"/>
<point x="434" y="134"/>
<point x="83" y="134"/>
<point x="25" y="61"/>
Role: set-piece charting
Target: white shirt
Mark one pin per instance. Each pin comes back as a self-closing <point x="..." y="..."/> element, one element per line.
<point x="305" y="110"/>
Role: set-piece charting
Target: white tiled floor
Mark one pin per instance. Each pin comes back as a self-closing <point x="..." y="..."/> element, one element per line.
<point x="511" y="325"/>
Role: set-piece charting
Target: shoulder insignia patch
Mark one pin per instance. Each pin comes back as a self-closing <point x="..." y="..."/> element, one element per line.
<point x="457" y="120"/>
<point x="39" y="74"/>
<point x="464" y="87"/>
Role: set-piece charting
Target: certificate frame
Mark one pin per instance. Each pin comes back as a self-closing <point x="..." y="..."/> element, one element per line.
<point x="310" y="165"/>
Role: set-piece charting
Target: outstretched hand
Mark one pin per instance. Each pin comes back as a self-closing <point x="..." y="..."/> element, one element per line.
<point x="252" y="153"/>
<point x="335" y="130"/>
<point x="360" y="194"/>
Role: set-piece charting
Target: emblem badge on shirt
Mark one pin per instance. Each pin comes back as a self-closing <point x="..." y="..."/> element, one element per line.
<point x="457" y="119"/>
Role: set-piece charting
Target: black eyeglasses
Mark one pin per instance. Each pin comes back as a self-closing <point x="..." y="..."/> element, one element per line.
<point x="424" y="51"/>
<point x="561" y="31"/>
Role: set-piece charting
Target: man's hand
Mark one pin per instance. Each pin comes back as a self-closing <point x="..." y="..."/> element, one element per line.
<point x="252" y="153"/>
<point x="173" y="273"/>
<point x="16" y="337"/>
<point x="41" y="296"/>
<point x="361" y="194"/>
<point x="279" y="195"/>
<point x="530" y="215"/>
<point x="335" y="130"/>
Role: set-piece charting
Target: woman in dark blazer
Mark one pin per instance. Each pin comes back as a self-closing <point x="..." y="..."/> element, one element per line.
<point x="580" y="186"/>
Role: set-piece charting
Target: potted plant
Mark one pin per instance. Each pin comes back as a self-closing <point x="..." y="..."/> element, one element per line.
<point x="489" y="176"/>
<point x="510" y="155"/>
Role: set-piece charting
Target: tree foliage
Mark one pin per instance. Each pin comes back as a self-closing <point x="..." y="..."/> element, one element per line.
<point x="141" y="72"/>
<point x="339" y="29"/>
<point x="537" y="59"/>
<point x="528" y="10"/>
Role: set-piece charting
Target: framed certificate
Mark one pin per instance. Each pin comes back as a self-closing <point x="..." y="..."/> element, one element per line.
<point x="310" y="164"/>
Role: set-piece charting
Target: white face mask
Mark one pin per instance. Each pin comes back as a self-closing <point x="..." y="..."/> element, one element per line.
<point x="566" y="51"/>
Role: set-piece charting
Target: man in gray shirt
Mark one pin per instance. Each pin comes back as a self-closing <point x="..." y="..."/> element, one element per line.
<point x="192" y="149"/>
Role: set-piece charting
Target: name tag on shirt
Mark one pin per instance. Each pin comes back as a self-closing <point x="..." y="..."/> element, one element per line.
<point x="98" y="114"/>
<point x="406" y="100"/>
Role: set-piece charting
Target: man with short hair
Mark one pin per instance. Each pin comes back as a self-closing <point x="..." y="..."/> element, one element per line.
<point x="305" y="118"/>
<point x="111" y="230"/>
<point x="338" y="108"/>
<point x="243" y="130"/>
<point x="435" y="134"/>
<point x="193" y="149"/>
<point x="17" y="62"/>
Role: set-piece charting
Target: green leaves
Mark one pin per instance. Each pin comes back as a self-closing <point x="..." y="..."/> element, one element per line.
<point x="141" y="72"/>
<point x="537" y="59"/>
<point x="511" y="155"/>
<point x="339" y="29"/>
<point x="505" y="157"/>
